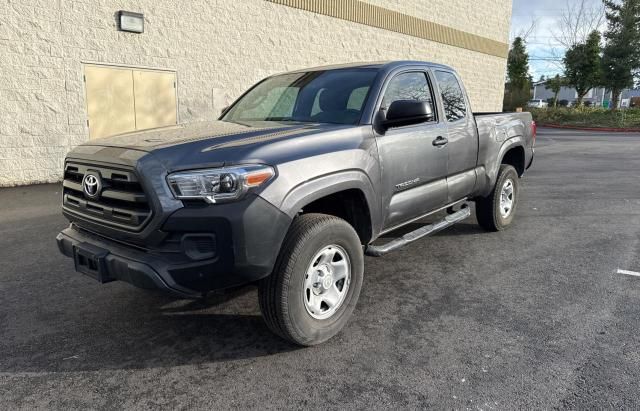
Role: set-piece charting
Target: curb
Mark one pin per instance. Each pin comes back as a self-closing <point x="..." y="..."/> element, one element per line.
<point x="605" y="129"/>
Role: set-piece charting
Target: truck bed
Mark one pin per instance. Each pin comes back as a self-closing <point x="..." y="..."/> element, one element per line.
<point x="496" y="132"/>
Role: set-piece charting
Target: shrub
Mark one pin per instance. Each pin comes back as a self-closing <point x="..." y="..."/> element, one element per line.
<point x="588" y="117"/>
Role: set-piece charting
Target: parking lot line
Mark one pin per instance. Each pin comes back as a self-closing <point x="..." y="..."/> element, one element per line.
<point x="628" y="272"/>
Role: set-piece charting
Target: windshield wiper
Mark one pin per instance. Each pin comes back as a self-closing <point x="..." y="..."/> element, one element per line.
<point x="278" y="119"/>
<point x="286" y="119"/>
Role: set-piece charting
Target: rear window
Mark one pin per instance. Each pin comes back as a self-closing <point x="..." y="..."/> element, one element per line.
<point x="455" y="106"/>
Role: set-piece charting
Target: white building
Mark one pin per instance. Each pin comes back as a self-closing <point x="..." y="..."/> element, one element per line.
<point x="71" y="72"/>
<point x="595" y="97"/>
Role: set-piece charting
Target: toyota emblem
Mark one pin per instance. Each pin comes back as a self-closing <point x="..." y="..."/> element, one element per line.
<point x="92" y="185"/>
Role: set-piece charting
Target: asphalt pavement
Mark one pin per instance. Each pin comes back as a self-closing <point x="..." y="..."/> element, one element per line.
<point x="537" y="316"/>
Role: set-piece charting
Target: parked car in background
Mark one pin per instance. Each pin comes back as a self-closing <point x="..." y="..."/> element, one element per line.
<point x="538" y="103"/>
<point x="292" y="186"/>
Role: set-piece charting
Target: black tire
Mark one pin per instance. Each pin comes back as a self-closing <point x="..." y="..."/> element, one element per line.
<point x="488" y="208"/>
<point x="282" y="294"/>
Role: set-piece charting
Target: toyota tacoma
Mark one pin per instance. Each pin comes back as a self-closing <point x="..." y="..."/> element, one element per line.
<point x="291" y="188"/>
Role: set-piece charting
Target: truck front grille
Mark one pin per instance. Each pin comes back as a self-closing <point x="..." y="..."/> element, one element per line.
<point x="121" y="202"/>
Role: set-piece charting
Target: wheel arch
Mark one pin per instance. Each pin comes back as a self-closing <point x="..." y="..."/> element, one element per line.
<point x="513" y="151"/>
<point x="348" y="195"/>
<point x="515" y="156"/>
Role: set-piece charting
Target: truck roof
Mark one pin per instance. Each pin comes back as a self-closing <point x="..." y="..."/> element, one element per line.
<point x="381" y="65"/>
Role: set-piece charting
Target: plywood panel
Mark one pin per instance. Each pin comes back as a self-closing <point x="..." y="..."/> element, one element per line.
<point x="110" y="100"/>
<point x="155" y="98"/>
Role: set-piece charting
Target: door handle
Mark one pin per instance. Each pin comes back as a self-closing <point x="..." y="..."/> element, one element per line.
<point x="440" y="141"/>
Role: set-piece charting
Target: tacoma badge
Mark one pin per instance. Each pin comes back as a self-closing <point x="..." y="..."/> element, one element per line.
<point x="407" y="184"/>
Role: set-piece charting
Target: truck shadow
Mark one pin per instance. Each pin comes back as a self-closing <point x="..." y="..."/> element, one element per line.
<point x="144" y="330"/>
<point x="65" y="322"/>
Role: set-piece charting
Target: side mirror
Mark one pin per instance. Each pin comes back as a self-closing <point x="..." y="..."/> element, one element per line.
<point x="407" y="112"/>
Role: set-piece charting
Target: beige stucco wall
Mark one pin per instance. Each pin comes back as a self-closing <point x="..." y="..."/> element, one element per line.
<point x="217" y="47"/>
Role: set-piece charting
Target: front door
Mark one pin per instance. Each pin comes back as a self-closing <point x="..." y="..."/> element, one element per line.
<point x="413" y="158"/>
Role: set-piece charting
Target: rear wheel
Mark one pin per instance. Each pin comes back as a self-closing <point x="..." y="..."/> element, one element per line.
<point x="316" y="282"/>
<point x="497" y="211"/>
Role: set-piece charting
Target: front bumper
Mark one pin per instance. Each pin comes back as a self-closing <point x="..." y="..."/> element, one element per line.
<point x="246" y="235"/>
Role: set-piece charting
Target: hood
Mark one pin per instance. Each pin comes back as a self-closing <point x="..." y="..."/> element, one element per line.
<point x="218" y="143"/>
<point x="214" y="132"/>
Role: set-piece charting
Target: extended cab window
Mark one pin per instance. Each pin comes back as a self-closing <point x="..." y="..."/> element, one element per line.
<point x="331" y="96"/>
<point x="407" y="86"/>
<point x="453" y="102"/>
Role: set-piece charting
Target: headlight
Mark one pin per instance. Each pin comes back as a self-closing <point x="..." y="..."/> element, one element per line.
<point x="218" y="184"/>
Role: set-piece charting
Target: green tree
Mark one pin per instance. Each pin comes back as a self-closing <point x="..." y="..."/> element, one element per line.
<point x="555" y="84"/>
<point x="518" y="87"/>
<point x="518" y="63"/>
<point x="621" y="54"/>
<point x="582" y="66"/>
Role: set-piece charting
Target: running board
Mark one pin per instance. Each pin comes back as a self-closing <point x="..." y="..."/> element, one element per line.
<point x="451" y="219"/>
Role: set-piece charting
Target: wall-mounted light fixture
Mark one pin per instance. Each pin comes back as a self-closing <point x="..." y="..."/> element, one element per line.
<point x="130" y="21"/>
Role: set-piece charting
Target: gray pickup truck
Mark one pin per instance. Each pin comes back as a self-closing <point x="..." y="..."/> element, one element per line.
<point x="291" y="187"/>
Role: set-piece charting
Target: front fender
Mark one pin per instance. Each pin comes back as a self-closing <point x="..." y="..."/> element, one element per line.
<point x="323" y="186"/>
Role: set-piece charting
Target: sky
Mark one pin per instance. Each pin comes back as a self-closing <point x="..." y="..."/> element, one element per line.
<point x="545" y="50"/>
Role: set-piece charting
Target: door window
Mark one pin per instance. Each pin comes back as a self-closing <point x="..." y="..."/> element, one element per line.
<point x="455" y="107"/>
<point x="408" y="86"/>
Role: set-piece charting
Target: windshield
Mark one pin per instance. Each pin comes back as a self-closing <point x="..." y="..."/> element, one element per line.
<point x="332" y="96"/>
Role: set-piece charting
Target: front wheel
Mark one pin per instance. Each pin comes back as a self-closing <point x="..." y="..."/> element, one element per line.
<point x="497" y="211"/>
<point x="316" y="281"/>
